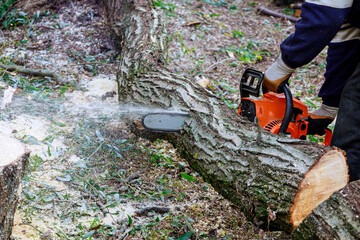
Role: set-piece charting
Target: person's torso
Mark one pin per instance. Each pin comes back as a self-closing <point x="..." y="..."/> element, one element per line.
<point x="354" y="15"/>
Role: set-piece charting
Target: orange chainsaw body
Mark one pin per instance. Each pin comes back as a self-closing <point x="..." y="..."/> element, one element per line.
<point x="270" y="110"/>
<point x="274" y="111"/>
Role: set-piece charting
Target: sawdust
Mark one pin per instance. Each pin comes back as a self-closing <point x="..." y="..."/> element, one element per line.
<point x="10" y="150"/>
<point x="101" y="85"/>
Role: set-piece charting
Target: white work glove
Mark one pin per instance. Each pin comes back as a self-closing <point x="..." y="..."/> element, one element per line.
<point x="324" y="112"/>
<point x="277" y="75"/>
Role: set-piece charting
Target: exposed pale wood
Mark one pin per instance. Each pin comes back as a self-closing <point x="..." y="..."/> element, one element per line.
<point x="13" y="161"/>
<point x="327" y="176"/>
<point x="336" y="218"/>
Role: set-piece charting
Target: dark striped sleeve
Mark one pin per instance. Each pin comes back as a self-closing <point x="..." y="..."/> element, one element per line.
<point x="320" y="21"/>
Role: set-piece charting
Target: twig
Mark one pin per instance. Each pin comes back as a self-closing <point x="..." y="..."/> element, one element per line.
<point x="33" y="227"/>
<point x="213" y="65"/>
<point x="276" y="14"/>
<point x="145" y="210"/>
<point x="63" y="233"/>
<point x="124" y="236"/>
<point x="133" y="176"/>
<point x="37" y="72"/>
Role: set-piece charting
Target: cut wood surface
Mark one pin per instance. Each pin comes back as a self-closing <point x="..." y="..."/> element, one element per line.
<point x="336" y="218"/>
<point x="13" y="161"/>
<point x="327" y="176"/>
<point x="260" y="172"/>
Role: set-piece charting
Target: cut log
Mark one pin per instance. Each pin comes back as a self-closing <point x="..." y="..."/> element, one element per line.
<point x="13" y="162"/>
<point x="327" y="176"/>
<point x="264" y="174"/>
<point x="336" y="218"/>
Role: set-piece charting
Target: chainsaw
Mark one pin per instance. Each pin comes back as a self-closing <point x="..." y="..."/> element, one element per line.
<point x="276" y="112"/>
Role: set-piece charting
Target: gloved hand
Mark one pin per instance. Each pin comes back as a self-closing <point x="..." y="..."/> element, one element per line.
<point x="276" y="76"/>
<point x="320" y="119"/>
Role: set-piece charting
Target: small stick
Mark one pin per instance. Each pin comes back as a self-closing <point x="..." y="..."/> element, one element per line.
<point x="276" y="14"/>
<point x="224" y="60"/>
<point x="37" y="72"/>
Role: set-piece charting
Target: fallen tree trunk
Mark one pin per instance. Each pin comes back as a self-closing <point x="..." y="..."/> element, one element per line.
<point x="13" y="161"/>
<point x="275" y="180"/>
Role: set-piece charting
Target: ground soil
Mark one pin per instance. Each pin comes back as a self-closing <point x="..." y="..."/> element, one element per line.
<point x="88" y="175"/>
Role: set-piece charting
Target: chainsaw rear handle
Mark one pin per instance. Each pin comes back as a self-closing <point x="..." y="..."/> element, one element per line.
<point x="288" y="110"/>
<point x="251" y="83"/>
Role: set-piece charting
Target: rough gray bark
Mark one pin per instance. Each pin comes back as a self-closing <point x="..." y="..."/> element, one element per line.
<point x="258" y="171"/>
<point x="13" y="162"/>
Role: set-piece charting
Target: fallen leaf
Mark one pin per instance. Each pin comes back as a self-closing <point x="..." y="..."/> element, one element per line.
<point x="8" y="95"/>
<point x="231" y="54"/>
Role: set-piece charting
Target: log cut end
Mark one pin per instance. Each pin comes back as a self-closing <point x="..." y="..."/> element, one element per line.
<point x="13" y="160"/>
<point x="10" y="150"/>
<point x="327" y="176"/>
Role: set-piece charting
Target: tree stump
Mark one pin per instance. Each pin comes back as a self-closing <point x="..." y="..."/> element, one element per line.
<point x="13" y="161"/>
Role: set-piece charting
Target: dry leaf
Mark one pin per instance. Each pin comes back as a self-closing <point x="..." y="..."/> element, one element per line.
<point x="231" y="54"/>
<point x="8" y="95"/>
<point x="203" y="82"/>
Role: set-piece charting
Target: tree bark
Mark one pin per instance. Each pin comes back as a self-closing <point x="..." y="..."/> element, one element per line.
<point x="270" y="177"/>
<point x="13" y="162"/>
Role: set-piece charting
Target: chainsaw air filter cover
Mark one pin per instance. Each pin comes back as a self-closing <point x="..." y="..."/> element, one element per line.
<point x="270" y="110"/>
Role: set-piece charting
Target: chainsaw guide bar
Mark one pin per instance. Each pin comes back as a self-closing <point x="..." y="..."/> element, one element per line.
<point x="165" y="121"/>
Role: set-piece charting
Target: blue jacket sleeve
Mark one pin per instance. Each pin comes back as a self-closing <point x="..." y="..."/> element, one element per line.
<point x="313" y="32"/>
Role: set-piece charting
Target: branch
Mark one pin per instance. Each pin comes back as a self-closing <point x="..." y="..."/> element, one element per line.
<point x="269" y="12"/>
<point x="38" y="72"/>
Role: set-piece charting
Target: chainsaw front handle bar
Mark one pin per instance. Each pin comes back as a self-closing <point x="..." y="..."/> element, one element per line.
<point x="288" y="110"/>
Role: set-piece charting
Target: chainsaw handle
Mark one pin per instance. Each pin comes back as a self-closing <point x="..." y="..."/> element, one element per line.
<point x="288" y="110"/>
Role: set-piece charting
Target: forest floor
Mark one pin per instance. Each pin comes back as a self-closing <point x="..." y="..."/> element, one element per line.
<point x="89" y="177"/>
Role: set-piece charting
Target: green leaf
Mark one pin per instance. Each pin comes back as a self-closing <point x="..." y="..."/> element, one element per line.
<point x="63" y="89"/>
<point x="130" y="220"/>
<point x="185" y="236"/>
<point x="89" y="234"/>
<point x="98" y="134"/>
<point x="188" y="177"/>
<point x="66" y="178"/>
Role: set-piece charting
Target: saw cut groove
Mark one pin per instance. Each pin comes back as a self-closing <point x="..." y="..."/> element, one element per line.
<point x="327" y="176"/>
